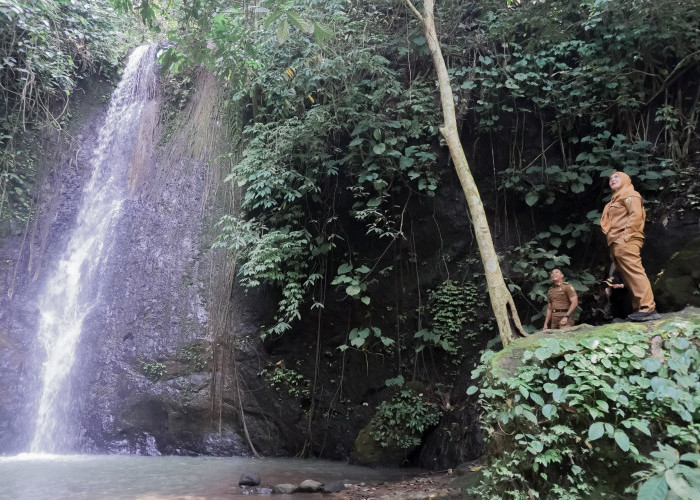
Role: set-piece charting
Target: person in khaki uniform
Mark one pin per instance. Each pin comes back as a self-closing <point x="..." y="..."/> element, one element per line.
<point x="562" y="301"/>
<point x="622" y="224"/>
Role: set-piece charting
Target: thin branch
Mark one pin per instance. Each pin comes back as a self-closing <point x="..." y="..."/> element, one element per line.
<point x="415" y="11"/>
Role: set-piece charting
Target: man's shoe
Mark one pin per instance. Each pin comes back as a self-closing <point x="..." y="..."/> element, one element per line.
<point x="644" y="316"/>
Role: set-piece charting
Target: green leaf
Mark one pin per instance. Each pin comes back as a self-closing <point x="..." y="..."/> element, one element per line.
<point x="532" y="198"/>
<point x="691" y="475"/>
<point x="642" y="426"/>
<point x="357" y="342"/>
<point x="537" y="398"/>
<point x="365" y="300"/>
<point x="530" y="416"/>
<point x="321" y="32"/>
<point x="472" y="389"/>
<point x="297" y="21"/>
<point x="387" y="341"/>
<point x="622" y="440"/>
<point x="596" y="431"/>
<point x="549" y="387"/>
<point x="282" y="32"/>
<point x="379" y="148"/>
<point x="651" y="365"/>
<point x="535" y="447"/>
<point x="344" y="268"/>
<point x="680" y="486"/>
<point x="691" y="457"/>
<point x="353" y="290"/>
<point x="654" y="488"/>
<point x="637" y="351"/>
<point x="549" y="411"/>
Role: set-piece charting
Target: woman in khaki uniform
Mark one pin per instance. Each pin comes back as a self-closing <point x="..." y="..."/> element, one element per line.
<point x="623" y="226"/>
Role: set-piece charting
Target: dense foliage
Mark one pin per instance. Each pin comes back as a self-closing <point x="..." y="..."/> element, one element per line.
<point x="401" y="421"/>
<point x="594" y="414"/>
<point x="336" y="125"/>
<point x="341" y="103"/>
<point x="563" y="93"/>
<point x="338" y="108"/>
<point x="46" y="46"/>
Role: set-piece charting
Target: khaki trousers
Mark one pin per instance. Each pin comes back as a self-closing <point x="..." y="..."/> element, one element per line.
<point x="557" y="317"/>
<point x="628" y="260"/>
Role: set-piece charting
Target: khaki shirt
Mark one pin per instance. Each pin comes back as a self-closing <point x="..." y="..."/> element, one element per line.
<point x="560" y="297"/>
<point x="627" y="220"/>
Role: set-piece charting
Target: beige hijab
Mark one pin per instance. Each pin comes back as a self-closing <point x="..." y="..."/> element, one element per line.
<point x="626" y="190"/>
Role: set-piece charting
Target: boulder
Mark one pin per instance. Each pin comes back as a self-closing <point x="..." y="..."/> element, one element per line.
<point x="249" y="478"/>
<point x="678" y="285"/>
<point x="284" y="489"/>
<point x="369" y="452"/>
<point x="333" y="487"/>
<point x="310" y="486"/>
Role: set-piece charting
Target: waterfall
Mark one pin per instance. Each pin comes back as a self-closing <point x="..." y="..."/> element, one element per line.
<point x="73" y="289"/>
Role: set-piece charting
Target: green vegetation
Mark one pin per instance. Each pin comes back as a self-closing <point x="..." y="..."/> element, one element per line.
<point x="451" y="307"/>
<point x="287" y="381"/>
<point x="597" y="413"/>
<point x="154" y="370"/>
<point x="46" y="47"/>
<point x="401" y="422"/>
<point x="194" y="355"/>
<point x="341" y="123"/>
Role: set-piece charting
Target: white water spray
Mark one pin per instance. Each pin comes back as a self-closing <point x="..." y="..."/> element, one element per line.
<point x="73" y="290"/>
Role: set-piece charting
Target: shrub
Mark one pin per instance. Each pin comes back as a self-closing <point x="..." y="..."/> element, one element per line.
<point x="582" y="414"/>
<point x="402" y="421"/>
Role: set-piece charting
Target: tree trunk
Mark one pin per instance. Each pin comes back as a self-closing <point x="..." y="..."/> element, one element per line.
<point x="509" y="325"/>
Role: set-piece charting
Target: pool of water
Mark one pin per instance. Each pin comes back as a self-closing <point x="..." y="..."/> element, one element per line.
<point x="112" y="477"/>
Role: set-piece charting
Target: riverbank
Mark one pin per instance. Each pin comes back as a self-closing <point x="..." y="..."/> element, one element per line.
<point x="439" y="485"/>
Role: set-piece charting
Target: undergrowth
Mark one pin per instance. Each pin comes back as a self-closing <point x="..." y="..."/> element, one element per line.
<point x="594" y="415"/>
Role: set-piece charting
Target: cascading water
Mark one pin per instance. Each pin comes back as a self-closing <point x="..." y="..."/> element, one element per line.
<point x="74" y="288"/>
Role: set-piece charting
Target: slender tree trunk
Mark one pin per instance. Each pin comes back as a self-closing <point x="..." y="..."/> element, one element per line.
<point x="509" y="325"/>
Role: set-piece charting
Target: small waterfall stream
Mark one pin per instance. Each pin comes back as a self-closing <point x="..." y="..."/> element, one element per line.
<point x="74" y="287"/>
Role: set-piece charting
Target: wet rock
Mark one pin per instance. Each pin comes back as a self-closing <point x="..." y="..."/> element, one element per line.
<point x="333" y="487"/>
<point x="249" y="478"/>
<point x="310" y="486"/>
<point x="284" y="489"/>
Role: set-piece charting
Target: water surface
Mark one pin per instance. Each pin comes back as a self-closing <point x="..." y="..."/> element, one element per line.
<point x="121" y="477"/>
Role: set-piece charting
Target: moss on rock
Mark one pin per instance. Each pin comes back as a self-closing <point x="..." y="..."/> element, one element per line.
<point x="368" y="451"/>
<point x="679" y="284"/>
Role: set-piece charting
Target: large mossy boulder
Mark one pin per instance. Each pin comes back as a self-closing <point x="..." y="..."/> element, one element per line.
<point x="607" y="412"/>
<point x="679" y="284"/>
<point x="368" y="451"/>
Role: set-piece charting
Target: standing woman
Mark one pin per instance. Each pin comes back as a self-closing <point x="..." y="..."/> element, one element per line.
<point x="623" y="226"/>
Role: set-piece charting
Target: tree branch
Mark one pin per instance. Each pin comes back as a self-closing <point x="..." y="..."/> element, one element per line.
<point x="415" y="11"/>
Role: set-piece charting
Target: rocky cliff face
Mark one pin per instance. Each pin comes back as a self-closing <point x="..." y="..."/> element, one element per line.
<point x="142" y="382"/>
